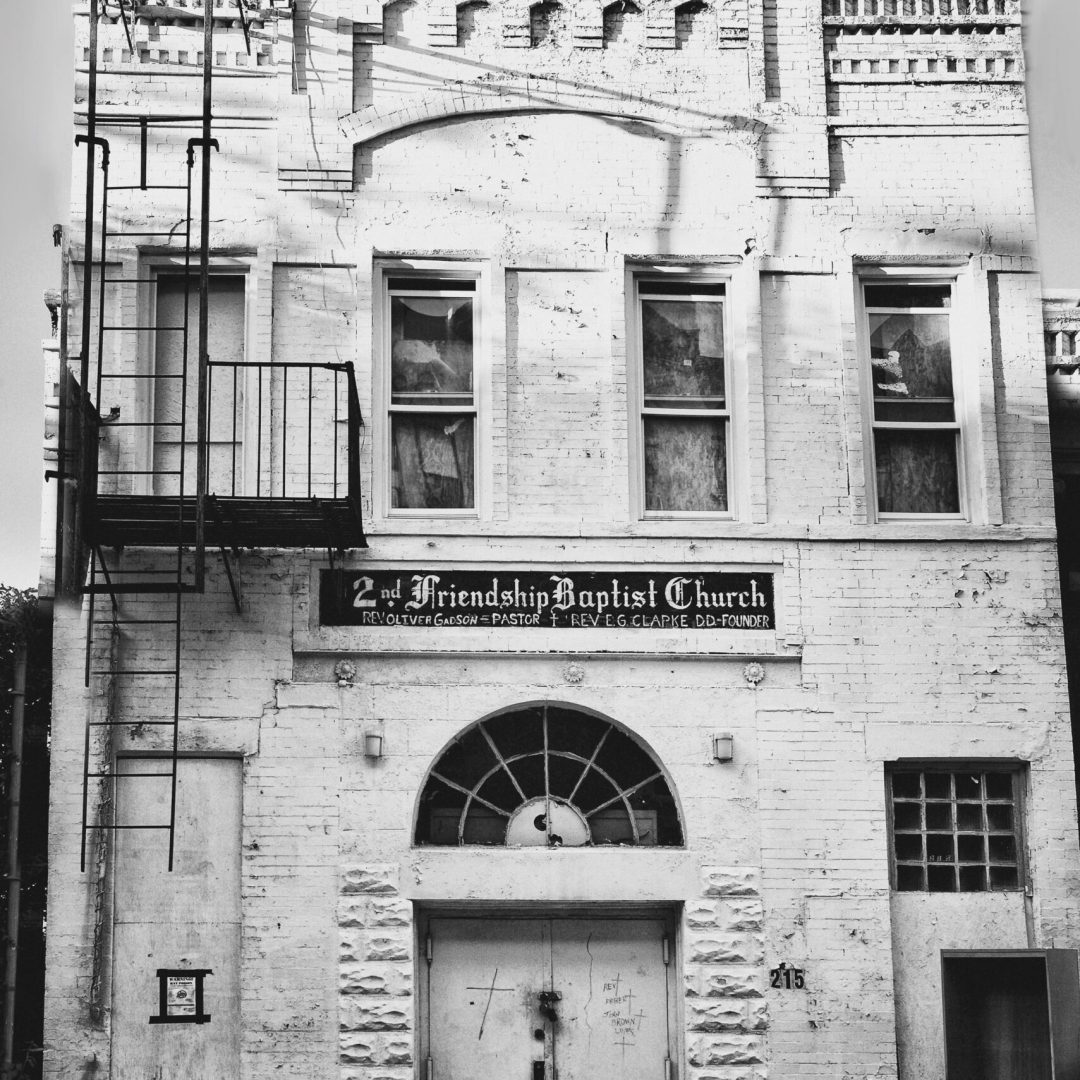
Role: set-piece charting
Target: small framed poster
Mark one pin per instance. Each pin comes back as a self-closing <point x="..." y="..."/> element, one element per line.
<point x="180" y="996"/>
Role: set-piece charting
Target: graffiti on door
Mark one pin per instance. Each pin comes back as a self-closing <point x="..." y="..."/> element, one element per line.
<point x="620" y="1012"/>
<point x="491" y="991"/>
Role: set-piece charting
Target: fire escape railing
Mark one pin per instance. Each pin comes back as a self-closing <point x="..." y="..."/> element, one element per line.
<point x="304" y="420"/>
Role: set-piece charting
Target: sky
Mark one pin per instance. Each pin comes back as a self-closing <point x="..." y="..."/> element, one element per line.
<point x="35" y="145"/>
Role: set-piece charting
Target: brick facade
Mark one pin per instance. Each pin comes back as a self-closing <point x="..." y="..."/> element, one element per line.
<point x="557" y="157"/>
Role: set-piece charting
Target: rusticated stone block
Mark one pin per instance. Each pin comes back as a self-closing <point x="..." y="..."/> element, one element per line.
<point x="379" y="1072"/>
<point x="382" y="878"/>
<point x="757" y="1015"/>
<point x="701" y="915"/>
<point x="387" y="948"/>
<point x="371" y="979"/>
<point x="365" y="1014"/>
<point x="730" y="881"/>
<point x="390" y="913"/>
<point x="731" y="981"/>
<point x="353" y="945"/>
<point x="397" y="1052"/>
<point x="709" y="1015"/>
<point x="741" y="914"/>
<point x="392" y="980"/>
<point x="726" y="1049"/>
<point x="725" y="949"/>
<point x="745" y="1072"/>
<point x="356" y="1049"/>
<point x="378" y="1051"/>
<point x="352" y="911"/>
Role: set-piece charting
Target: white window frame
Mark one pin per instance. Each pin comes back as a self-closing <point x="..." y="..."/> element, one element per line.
<point x="639" y="278"/>
<point x="431" y="269"/>
<point x="901" y="276"/>
<point x="158" y="266"/>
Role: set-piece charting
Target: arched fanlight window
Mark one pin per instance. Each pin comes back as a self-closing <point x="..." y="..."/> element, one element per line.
<point x="547" y="775"/>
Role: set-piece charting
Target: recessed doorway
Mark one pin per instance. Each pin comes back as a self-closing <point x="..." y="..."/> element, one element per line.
<point x="568" y="997"/>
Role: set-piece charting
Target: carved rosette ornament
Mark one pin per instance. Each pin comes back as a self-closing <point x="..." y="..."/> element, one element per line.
<point x="345" y="672"/>
<point x="574" y="674"/>
<point x="753" y="673"/>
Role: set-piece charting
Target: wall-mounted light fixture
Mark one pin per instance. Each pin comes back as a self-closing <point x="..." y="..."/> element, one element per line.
<point x="723" y="748"/>
<point x="373" y="744"/>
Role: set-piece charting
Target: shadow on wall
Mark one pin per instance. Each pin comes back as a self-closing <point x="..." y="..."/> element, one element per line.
<point x="553" y="179"/>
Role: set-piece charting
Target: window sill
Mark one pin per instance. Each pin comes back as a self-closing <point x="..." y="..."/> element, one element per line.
<point x="960" y="519"/>
<point x="701" y="528"/>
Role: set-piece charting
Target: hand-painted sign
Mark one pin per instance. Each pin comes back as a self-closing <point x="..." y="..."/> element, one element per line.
<point x="632" y="599"/>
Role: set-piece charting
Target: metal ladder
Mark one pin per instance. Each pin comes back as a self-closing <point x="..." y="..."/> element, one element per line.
<point x="109" y="581"/>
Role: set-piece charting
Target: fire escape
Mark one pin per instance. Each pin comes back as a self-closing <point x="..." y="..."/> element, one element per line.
<point x="138" y="435"/>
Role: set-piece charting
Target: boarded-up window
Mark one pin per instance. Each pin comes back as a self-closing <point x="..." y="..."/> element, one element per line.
<point x="432" y="396"/>
<point x="185" y="919"/>
<point x="685" y="410"/>
<point x="915" y="420"/>
<point x="176" y="382"/>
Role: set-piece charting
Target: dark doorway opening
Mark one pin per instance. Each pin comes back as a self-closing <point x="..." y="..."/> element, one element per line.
<point x="997" y="1018"/>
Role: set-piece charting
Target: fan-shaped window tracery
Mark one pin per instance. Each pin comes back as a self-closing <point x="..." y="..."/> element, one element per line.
<point x="547" y="775"/>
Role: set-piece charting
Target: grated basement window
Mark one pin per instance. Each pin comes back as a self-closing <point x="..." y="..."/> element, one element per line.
<point x="955" y="830"/>
<point x="547" y="775"/>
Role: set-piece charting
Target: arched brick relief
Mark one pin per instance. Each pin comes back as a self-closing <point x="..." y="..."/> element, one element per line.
<point x="405" y="22"/>
<point x="477" y="21"/>
<point x="535" y="94"/>
<point x="549" y="23"/>
<point x="692" y="22"/>
<point x="624" y="25"/>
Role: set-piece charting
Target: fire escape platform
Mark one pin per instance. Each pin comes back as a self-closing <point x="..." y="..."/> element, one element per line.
<point x="230" y="521"/>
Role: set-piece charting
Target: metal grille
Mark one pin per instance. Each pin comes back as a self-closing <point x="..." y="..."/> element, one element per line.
<point x="955" y="830"/>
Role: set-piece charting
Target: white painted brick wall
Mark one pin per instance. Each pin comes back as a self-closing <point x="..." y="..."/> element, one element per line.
<point x="941" y="640"/>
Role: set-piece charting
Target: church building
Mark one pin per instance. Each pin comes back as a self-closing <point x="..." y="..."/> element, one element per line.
<point x="552" y="545"/>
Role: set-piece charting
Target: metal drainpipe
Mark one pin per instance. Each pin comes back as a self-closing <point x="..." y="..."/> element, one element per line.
<point x="14" y="878"/>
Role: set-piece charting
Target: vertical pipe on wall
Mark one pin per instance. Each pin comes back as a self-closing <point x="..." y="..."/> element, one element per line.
<point x="202" y="455"/>
<point x="14" y="876"/>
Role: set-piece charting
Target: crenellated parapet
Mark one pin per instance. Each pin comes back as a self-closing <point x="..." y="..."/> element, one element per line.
<point x="549" y="24"/>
